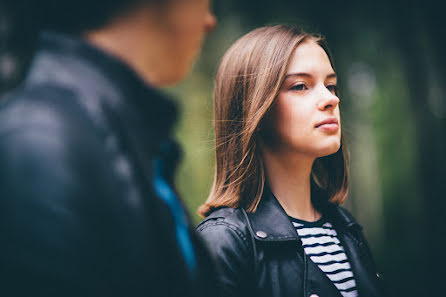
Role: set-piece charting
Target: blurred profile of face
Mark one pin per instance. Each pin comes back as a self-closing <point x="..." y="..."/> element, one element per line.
<point x="305" y="118"/>
<point x="186" y="23"/>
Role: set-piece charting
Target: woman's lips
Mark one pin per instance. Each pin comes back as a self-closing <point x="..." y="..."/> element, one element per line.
<point x="328" y="127"/>
<point x="330" y="124"/>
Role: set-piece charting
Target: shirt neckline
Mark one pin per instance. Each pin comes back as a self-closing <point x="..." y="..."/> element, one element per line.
<point x="318" y="223"/>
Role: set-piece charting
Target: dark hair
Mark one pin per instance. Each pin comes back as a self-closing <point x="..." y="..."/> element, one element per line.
<point x="77" y="16"/>
<point x="22" y="20"/>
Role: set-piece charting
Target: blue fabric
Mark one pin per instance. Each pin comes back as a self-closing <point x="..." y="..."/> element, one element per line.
<point x="166" y="193"/>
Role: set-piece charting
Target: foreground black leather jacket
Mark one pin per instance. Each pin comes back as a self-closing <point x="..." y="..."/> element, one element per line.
<point x="260" y="254"/>
<point x="78" y="212"/>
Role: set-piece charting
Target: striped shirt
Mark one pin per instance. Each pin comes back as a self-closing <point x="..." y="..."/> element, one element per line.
<point x="321" y="244"/>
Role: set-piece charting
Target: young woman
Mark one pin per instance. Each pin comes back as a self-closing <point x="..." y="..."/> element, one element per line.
<point x="273" y="219"/>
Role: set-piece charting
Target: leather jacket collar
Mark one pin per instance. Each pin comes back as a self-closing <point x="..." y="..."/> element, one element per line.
<point x="271" y="223"/>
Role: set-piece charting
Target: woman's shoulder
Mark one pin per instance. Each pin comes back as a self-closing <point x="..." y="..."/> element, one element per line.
<point x="225" y="224"/>
<point x="226" y="216"/>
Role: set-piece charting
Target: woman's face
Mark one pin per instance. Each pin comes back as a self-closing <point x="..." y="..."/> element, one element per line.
<point x="305" y="117"/>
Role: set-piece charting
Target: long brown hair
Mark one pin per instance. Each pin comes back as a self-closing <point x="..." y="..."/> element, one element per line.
<point x="248" y="81"/>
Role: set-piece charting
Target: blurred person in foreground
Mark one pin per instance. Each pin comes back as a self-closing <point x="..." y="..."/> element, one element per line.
<point x="86" y="197"/>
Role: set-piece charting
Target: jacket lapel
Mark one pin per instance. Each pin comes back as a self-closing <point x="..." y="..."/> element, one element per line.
<point x="350" y="235"/>
<point x="270" y="222"/>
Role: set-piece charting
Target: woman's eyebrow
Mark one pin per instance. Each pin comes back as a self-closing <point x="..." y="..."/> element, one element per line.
<point x="304" y="74"/>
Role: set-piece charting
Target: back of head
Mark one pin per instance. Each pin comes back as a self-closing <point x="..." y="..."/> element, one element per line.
<point x="159" y="39"/>
<point x="22" y="21"/>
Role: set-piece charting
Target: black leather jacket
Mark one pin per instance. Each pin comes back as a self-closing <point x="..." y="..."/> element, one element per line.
<point x="260" y="254"/>
<point x="79" y="215"/>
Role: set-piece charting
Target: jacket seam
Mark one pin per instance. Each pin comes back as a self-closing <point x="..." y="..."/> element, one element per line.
<point x="230" y="226"/>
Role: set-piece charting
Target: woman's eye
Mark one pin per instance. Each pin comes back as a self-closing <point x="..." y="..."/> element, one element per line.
<point x="299" y="87"/>
<point x="332" y="88"/>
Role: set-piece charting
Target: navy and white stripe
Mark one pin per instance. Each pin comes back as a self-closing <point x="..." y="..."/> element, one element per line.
<point x="320" y="242"/>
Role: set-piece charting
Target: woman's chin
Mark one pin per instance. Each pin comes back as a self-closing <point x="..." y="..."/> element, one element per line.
<point x="329" y="149"/>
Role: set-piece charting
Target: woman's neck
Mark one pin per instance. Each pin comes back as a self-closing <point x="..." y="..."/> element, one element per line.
<point x="288" y="177"/>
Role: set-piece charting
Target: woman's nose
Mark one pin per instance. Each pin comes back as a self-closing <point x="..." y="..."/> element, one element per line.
<point x="328" y="100"/>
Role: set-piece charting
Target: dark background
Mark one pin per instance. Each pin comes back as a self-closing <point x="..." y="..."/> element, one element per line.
<point x="391" y="61"/>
